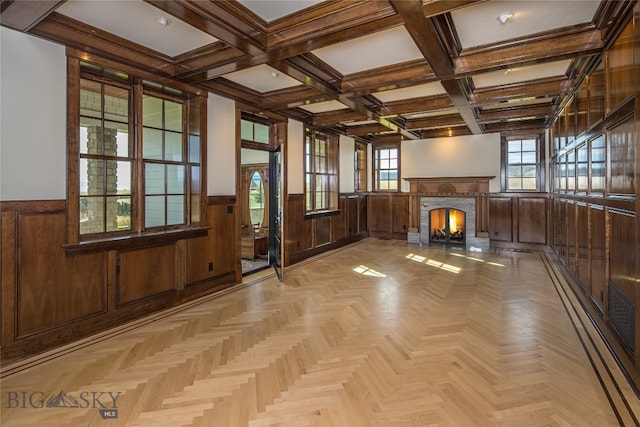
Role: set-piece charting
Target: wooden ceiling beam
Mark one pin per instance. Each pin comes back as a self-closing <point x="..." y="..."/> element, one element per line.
<point x="501" y="114"/>
<point x="432" y="8"/>
<point x="435" y="122"/>
<point x="424" y="34"/>
<point x="24" y="15"/>
<point x="549" y="48"/>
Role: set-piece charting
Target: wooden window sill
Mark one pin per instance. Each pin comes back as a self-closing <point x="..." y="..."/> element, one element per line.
<point x="135" y="241"/>
<point x="327" y="212"/>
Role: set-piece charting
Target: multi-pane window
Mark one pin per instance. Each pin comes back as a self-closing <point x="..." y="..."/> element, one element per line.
<point x="164" y="162"/>
<point x="387" y="168"/>
<point x="360" y="167"/>
<point x="522" y="165"/>
<point x="105" y="158"/>
<point x="253" y="131"/>
<point x="321" y="172"/>
<point x="131" y="178"/>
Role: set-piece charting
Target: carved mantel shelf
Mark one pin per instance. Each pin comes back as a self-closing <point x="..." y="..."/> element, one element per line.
<point x="452" y="186"/>
<point x="459" y="186"/>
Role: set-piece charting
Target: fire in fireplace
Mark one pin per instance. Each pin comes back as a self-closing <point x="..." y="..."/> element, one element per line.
<point x="447" y="226"/>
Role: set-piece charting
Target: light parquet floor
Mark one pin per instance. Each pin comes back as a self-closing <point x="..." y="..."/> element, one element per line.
<point x="380" y="333"/>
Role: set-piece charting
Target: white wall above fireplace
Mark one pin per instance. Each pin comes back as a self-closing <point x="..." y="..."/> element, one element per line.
<point x="470" y="155"/>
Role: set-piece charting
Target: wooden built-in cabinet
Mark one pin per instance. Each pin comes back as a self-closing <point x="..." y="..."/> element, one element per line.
<point x="51" y="296"/>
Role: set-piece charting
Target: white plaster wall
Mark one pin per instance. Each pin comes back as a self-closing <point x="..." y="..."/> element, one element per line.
<point x="471" y="155"/>
<point x="347" y="164"/>
<point x="221" y="146"/>
<point x="33" y="120"/>
<point x="295" y="157"/>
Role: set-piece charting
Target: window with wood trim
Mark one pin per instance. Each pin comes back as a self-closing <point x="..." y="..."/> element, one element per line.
<point x="386" y="164"/>
<point x="255" y="129"/>
<point x="523" y="168"/>
<point x="360" y="167"/>
<point x="138" y="150"/>
<point x="321" y="171"/>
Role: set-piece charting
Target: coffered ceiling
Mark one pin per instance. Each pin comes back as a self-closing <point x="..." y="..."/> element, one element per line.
<point x="377" y="70"/>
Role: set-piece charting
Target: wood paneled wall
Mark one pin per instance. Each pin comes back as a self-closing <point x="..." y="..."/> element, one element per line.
<point x="51" y="297"/>
<point x="595" y="226"/>
<point x="389" y="215"/>
<point x="518" y="220"/>
<point x="308" y="235"/>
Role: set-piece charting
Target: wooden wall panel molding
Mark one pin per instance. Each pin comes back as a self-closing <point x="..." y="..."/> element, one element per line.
<point x="532" y="220"/>
<point x="51" y="289"/>
<point x="501" y="219"/>
<point x="145" y="273"/>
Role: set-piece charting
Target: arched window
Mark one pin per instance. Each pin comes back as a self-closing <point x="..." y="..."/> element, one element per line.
<point x="256" y="199"/>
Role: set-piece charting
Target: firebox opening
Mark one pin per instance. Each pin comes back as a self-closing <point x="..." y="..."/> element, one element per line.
<point x="447" y="226"/>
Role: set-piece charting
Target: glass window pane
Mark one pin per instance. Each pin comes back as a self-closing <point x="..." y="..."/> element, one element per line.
<point x="529" y="158"/>
<point x="93" y="171"/>
<point x="194" y="149"/>
<point x="151" y="111"/>
<point x="91" y="215"/>
<point x="393" y="164"/>
<point x="90" y="136"/>
<point x="90" y="98"/>
<point x="175" y="210"/>
<point x="154" y="211"/>
<point x="173" y="146"/>
<point x="175" y="179"/>
<point x="117" y="139"/>
<point x="528" y="183"/>
<point x="514" y="171"/>
<point x="246" y="130"/>
<point x="384" y="164"/>
<point x="172" y="116"/>
<point x="154" y="178"/>
<point x="152" y="144"/>
<point x="118" y="177"/>
<point x="514" y="158"/>
<point x="529" y="171"/>
<point x="261" y="133"/>
<point x="195" y="194"/>
<point x="123" y="212"/>
<point x="515" y="184"/>
<point x="384" y="154"/>
<point x="116" y="104"/>
<point x="514" y="146"/>
<point x="83" y="176"/>
<point x="529" y="145"/>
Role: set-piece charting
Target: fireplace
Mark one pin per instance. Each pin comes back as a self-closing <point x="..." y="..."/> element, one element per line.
<point x="434" y="200"/>
<point x="447" y="227"/>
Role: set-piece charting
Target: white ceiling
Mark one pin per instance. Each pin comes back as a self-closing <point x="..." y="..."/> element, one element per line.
<point x="262" y="78"/>
<point x="478" y="24"/>
<point x="271" y="10"/>
<point x="383" y="48"/>
<point x="136" y="20"/>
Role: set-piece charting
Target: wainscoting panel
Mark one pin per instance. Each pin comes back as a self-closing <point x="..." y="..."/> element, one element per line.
<point x="146" y="273"/>
<point x="52" y="289"/>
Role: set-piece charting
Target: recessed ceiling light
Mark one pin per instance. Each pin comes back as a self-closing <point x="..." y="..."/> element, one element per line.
<point x="163" y="20"/>
<point x="274" y="75"/>
<point x="504" y="17"/>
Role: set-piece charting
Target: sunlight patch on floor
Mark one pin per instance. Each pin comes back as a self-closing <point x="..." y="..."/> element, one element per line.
<point x="366" y="271"/>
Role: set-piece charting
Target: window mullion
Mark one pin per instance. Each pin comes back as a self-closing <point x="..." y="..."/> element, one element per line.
<point x="139" y="169"/>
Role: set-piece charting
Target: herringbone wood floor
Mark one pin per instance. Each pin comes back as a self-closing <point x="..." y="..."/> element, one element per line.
<point x="379" y="333"/>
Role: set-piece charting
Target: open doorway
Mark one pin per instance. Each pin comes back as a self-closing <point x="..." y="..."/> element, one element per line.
<point x="255" y="193"/>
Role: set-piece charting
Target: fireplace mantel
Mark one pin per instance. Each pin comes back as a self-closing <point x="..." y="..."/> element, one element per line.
<point x="476" y="187"/>
<point x="454" y="185"/>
